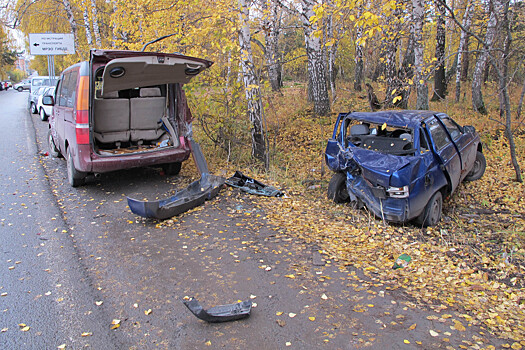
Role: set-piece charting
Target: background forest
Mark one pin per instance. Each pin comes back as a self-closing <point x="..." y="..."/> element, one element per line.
<point x="282" y="72"/>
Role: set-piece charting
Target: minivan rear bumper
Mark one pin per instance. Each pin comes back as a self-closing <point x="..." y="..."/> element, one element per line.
<point x="90" y="162"/>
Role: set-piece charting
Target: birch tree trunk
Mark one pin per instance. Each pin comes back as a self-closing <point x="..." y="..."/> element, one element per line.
<point x="332" y="52"/>
<point x="477" y="97"/>
<point x="89" y="38"/>
<point x="394" y="87"/>
<point x="271" y="25"/>
<point x="316" y="65"/>
<point x="467" y="20"/>
<point x="96" y="29"/>
<point x="503" y="81"/>
<point x="72" y="22"/>
<point x="359" y="65"/>
<point x="440" y="86"/>
<point x="251" y="86"/>
<point x="418" y="13"/>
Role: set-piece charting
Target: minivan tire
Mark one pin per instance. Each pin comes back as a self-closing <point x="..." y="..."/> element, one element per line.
<point x="76" y="178"/>
<point x="20" y="89"/>
<point x="337" y="188"/>
<point x="53" y="150"/>
<point x="172" y="168"/>
<point x="33" y="108"/>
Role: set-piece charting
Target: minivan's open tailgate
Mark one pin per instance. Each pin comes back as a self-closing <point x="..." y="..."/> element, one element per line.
<point x="131" y="69"/>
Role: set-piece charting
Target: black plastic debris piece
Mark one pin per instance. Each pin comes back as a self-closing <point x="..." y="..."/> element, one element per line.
<point x="247" y="184"/>
<point x="207" y="187"/>
<point x="220" y="313"/>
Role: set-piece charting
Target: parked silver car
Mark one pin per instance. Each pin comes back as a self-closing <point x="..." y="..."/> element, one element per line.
<point x="23" y="85"/>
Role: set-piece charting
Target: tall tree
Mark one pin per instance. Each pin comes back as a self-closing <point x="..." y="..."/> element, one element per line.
<point x="359" y="64"/>
<point x="467" y="20"/>
<point x="418" y="15"/>
<point x="272" y="14"/>
<point x="316" y="65"/>
<point x="251" y="86"/>
<point x="440" y="84"/>
<point x="477" y="96"/>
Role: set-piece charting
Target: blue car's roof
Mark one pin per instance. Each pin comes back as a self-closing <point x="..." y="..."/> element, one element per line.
<point x="404" y="118"/>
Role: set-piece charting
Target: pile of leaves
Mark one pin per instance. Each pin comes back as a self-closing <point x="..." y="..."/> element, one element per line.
<point x="473" y="261"/>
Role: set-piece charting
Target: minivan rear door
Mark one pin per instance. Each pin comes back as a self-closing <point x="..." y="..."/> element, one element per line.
<point x="131" y="69"/>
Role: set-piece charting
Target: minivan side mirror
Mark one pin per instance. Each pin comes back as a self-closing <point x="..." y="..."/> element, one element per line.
<point x="48" y="101"/>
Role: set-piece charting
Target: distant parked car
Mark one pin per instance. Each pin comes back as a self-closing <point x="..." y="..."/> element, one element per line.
<point x="23" y="85"/>
<point x="401" y="164"/>
<point x="121" y="110"/>
<point x="43" y="110"/>
<point x="5" y="85"/>
<point x="33" y="98"/>
<point x="36" y="89"/>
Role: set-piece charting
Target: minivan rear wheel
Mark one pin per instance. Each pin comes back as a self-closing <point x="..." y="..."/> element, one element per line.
<point x="172" y="168"/>
<point x="76" y="178"/>
<point x="33" y="108"/>
<point x="20" y="89"/>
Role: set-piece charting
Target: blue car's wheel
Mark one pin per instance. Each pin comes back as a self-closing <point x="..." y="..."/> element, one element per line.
<point x="478" y="169"/>
<point x="337" y="188"/>
<point x="432" y="213"/>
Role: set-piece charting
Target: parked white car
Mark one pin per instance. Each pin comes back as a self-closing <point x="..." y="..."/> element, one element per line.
<point x="43" y="110"/>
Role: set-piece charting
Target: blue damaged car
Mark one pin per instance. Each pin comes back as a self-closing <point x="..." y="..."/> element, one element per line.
<point x="401" y="164"/>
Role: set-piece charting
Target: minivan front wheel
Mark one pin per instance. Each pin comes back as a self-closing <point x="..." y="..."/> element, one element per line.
<point x="43" y="115"/>
<point x="76" y="178"/>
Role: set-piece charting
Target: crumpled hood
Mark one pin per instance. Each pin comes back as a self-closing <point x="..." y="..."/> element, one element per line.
<point x="378" y="167"/>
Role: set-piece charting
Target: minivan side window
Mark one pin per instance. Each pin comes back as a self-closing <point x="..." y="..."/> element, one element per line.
<point x="72" y="89"/>
<point x="63" y="90"/>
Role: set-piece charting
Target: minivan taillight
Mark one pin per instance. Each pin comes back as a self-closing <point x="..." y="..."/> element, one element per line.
<point x="82" y="117"/>
<point x="82" y="127"/>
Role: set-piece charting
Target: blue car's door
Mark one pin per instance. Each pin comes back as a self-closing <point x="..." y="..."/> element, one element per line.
<point x="464" y="143"/>
<point x="446" y="151"/>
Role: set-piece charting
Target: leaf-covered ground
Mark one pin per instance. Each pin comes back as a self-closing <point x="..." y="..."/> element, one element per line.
<point x="473" y="261"/>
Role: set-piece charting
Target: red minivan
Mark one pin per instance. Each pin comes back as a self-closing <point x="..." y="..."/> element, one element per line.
<point x="120" y="110"/>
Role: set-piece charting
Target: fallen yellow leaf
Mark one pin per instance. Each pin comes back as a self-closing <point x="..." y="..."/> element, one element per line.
<point x="290" y="276"/>
<point x="406" y="341"/>
<point x="147" y="312"/>
<point x="459" y="326"/>
<point x="279" y="313"/>
<point x="311" y="318"/>
<point x="411" y="328"/>
<point x="86" y="334"/>
<point x="433" y="333"/>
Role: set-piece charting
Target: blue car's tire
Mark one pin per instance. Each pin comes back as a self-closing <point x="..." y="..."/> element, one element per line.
<point x="432" y="213"/>
<point x="478" y="169"/>
<point x="337" y="188"/>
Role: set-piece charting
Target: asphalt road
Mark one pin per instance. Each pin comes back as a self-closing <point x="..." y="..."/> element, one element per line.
<point x="75" y="259"/>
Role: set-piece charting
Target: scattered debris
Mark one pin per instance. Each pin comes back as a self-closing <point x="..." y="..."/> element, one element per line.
<point x="220" y="313"/>
<point x="402" y="261"/>
<point x="207" y="187"/>
<point x="247" y="184"/>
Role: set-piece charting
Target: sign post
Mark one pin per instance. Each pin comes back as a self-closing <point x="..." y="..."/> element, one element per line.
<point x="51" y="44"/>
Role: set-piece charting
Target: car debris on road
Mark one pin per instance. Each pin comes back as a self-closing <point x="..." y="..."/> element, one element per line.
<point x="220" y="313"/>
